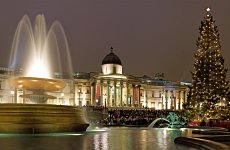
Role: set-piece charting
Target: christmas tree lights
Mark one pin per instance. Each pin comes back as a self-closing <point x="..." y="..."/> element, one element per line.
<point x="208" y="97"/>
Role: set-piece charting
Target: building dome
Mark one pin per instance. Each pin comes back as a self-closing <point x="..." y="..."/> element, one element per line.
<point x="111" y="64"/>
<point x="111" y="58"/>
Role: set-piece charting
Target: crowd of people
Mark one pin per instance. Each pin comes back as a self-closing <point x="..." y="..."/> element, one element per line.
<point x="142" y="117"/>
<point x="136" y="117"/>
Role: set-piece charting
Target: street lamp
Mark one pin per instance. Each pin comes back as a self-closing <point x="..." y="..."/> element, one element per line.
<point x="96" y="102"/>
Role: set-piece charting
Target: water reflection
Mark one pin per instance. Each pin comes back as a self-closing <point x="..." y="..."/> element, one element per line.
<point x="101" y="141"/>
<point x="138" y="138"/>
<point x="116" y="138"/>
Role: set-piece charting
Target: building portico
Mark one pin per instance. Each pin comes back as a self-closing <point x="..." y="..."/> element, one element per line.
<point x="116" y="91"/>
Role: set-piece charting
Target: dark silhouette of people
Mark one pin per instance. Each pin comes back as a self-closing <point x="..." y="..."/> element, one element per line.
<point x="210" y="123"/>
<point x="203" y="123"/>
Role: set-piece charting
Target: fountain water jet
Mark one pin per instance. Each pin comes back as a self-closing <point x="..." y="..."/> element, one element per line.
<point x="173" y="120"/>
<point x="38" y="53"/>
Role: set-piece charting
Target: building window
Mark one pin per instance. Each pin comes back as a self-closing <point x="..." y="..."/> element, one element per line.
<point x="159" y="105"/>
<point x="87" y="91"/>
<point x="153" y="104"/>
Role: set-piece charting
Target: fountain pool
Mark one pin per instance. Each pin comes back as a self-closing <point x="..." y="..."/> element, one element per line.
<point x="99" y="138"/>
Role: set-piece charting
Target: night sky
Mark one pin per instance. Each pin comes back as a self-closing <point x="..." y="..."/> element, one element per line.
<point x="149" y="36"/>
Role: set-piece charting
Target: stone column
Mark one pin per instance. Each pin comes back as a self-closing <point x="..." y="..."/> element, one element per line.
<point x="95" y="93"/>
<point x="166" y="99"/>
<point x="121" y="85"/>
<point x="76" y="95"/>
<point x="174" y="98"/>
<point x="127" y="94"/>
<point x="179" y="105"/>
<point x="139" y="95"/>
<point x="101" y="93"/>
<point x="115" y="93"/>
<point x="108" y="93"/>
<point x="23" y="99"/>
<point x="185" y="96"/>
<point x="162" y="99"/>
<point x="82" y="96"/>
<point x="144" y="97"/>
<point x="132" y="99"/>
<point x="104" y="99"/>
<point x="182" y="98"/>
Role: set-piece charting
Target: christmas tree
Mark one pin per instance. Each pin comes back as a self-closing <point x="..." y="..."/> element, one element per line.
<point x="209" y="93"/>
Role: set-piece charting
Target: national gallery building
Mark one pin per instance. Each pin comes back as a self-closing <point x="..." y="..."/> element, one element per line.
<point x="110" y="88"/>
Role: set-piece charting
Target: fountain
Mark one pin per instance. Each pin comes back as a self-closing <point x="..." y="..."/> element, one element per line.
<point x="171" y="121"/>
<point x="39" y="53"/>
<point x="38" y="86"/>
<point x="38" y="50"/>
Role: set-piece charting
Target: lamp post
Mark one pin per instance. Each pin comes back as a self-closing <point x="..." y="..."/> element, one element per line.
<point x="96" y="102"/>
<point x="162" y="103"/>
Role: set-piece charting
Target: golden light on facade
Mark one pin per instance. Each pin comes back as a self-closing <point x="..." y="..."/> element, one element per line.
<point x="115" y="76"/>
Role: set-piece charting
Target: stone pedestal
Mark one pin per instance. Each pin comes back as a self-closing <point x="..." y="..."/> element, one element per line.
<point x="41" y="118"/>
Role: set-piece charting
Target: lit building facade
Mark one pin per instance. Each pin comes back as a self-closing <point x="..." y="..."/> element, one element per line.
<point x="110" y="88"/>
